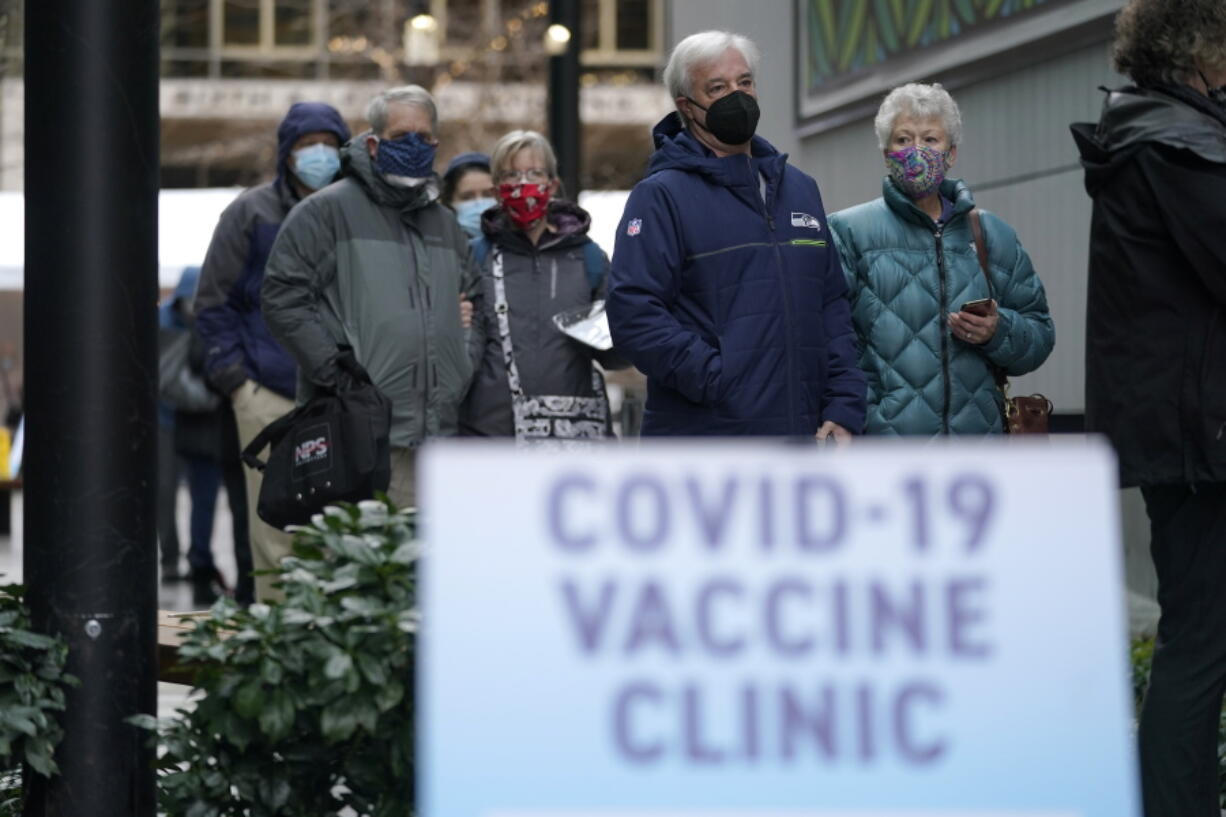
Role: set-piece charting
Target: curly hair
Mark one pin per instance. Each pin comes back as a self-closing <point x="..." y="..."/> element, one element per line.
<point x="1164" y="41"/>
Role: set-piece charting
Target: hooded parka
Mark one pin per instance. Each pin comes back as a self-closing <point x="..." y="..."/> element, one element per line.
<point x="541" y="280"/>
<point x="1155" y="166"/>
<point x="380" y="268"/>
<point x="905" y="274"/>
<point x="237" y="343"/>
<point x="727" y="294"/>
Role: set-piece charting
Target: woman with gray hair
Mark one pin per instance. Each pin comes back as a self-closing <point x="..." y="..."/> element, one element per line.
<point x="534" y="382"/>
<point x="1155" y="165"/>
<point x="935" y="327"/>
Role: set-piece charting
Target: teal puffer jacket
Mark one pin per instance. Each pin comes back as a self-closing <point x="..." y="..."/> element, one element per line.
<point x="904" y="276"/>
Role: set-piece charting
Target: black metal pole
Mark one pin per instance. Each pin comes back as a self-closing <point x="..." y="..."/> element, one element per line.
<point x="564" y="124"/>
<point x="91" y="194"/>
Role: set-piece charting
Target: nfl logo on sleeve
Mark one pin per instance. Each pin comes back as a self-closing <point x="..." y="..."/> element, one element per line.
<point x="634" y="227"/>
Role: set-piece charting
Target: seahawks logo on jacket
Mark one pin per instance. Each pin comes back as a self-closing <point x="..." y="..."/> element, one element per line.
<point x="805" y="220"/>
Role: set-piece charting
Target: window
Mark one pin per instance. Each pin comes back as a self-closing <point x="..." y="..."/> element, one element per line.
<point x="185" y="23"/>
<point x="622" y="33"/>
<point x="633" y="25"/>
<point x="292" y="22"/>
<point x="241" y="22"/>
<point x="463" y="21"/>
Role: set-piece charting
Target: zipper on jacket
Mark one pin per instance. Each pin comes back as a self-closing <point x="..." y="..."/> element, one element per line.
<point x="787" y="310"/>
<point x="944" y="329"/>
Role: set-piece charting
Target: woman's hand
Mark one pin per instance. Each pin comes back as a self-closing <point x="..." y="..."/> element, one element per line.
<point x="466" y="312"/>
<point x="975" y="329"/>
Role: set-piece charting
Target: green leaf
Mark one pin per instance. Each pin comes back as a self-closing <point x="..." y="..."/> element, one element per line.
<point x="24" y="638"/>
<point x="372" y="667"/>
<point x="338" y="722"/>
<point x="388" y="695"/>
<point x="338" y="666"/>
<point x="249" y="701"/>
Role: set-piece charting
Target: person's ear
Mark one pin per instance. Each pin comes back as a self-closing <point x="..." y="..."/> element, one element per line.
<point x="554" y="186"/>
<point x="953" y="155"/>
<point x="685" y="107"/>
<point x="372" y="145"/>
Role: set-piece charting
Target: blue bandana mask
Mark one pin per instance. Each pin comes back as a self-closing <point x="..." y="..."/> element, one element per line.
<point x="408" y="157"/>
<point x="468" y="213"/>
<point x="316" y="165"/>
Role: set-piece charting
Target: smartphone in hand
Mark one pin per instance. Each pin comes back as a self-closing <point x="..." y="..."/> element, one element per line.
<point x="981" y="307"/>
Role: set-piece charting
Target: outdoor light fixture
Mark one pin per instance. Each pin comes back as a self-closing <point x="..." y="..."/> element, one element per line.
<point x="424" y="22"/>
<point x="421" y="40"/>
<point x="557" y="37"/>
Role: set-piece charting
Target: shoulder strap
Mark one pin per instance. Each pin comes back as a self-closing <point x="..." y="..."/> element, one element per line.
<point x="981" y="249"/>
<point x="271" y="434"/>
<point x="981" y="246"/>
<point x="593" y="264"/>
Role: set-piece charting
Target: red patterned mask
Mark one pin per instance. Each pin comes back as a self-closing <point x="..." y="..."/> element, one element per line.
<point x="524" y="203"/>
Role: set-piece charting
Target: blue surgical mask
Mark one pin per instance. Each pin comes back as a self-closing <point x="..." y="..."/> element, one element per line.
<point x="468" y="213"/>
<point x="316" y="165"/>
<point x="409" y="157"/>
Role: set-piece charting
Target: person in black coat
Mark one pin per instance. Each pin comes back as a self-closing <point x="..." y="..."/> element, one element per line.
<point x="1156" y="361"/>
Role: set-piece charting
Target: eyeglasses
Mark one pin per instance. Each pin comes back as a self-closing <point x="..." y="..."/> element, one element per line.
<point x="533" y="175"/>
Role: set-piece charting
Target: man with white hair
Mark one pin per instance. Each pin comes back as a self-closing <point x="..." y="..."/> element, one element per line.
<point x="376" y="263"/>
<point x="725" y="289"/>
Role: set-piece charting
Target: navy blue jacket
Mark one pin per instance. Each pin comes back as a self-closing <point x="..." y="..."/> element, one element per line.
<point x="237" y="343"/>
<point x="727" y="292"/>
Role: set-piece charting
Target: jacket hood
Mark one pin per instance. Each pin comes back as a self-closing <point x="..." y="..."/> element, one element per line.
<point x="677" y="149"/>
<point x="301" y="119"/>
<point x="356" y="162"/>
<point x="905" y="208"/>
<point x="568" y="224"/>
<point x="1133" y="116"/>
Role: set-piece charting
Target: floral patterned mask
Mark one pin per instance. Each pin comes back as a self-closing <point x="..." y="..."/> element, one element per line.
<point x="917" y="170"/>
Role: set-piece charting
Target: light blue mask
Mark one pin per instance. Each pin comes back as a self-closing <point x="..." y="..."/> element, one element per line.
<point x="468" y="213"/>
<point x="316" y="165"/>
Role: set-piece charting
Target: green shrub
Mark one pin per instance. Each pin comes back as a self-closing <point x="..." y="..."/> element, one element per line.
<point x="1142" y="654"/>
<point x="307" y="704"/>
<point x="32" y="687"/>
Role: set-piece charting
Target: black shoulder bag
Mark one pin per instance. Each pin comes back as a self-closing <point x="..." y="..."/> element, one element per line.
<point x="333" y="449"/>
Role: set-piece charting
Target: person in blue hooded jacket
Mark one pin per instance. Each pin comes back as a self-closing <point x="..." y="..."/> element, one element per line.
<point x="725" y="289"/>
<point x="243" y="362"/>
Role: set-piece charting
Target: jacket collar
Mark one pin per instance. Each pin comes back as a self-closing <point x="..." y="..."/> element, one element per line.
<point x="568" y="225"/>
<point x="905" y="208"/>
<point x="357" y="163"/>
<point x="677" y="149"/>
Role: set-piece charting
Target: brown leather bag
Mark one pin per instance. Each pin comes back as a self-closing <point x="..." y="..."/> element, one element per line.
<point x="1022" y="415"/>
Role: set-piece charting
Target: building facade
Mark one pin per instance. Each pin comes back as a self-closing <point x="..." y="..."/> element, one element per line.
<point x="231" y="68"/>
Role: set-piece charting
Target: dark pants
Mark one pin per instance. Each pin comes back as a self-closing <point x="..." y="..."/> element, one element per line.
<point x="1179" y="719"/>
<point x="236" y="494"/>
<point x="204" y="478"/>
<point x="203" y="482"/>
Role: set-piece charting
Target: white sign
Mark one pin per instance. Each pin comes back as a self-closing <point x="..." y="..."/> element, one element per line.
<point x="767" y="629"/>
<point x="641" y="103"/>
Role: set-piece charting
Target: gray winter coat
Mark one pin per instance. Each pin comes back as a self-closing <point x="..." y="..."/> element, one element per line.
<point x="379" y="268"/>
<point x="541" y="281"/>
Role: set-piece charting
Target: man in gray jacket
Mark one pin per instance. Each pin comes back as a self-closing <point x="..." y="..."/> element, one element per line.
<point x="375" y="262"/>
